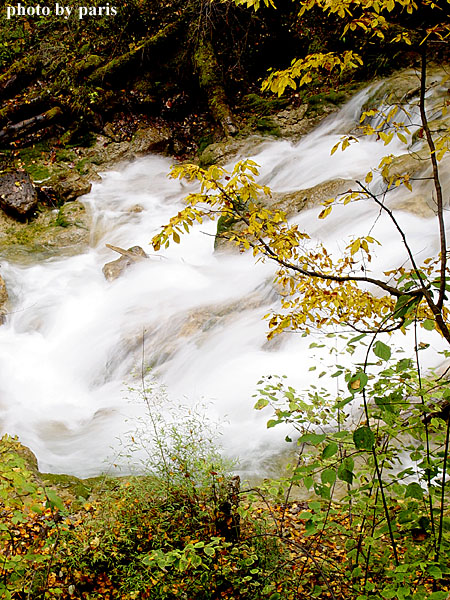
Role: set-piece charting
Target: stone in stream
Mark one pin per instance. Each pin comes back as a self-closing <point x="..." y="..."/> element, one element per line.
<point x="18" y="196"/>
<point x="112" y="270"/>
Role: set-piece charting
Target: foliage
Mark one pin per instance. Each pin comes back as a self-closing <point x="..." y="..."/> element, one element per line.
<point x="383" y="462"/>
<point x="377" y="453"/>
<point x="29" y="524"/>
<point x="388" y="22"/>
<point x="180" y="529"/>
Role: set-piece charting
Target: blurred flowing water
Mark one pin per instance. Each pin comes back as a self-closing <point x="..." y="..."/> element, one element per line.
<point x="74" y="342"/>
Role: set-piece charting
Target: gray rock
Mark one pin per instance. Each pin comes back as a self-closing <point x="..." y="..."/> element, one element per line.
<point x="71" y="186"/>
<point x="151" y="139"/>
<point x="112" y="270"/>
<point x="18" y="196"/>
<point x="294" y="202"/>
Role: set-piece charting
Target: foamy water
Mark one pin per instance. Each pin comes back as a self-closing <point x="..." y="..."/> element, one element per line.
<point x="73" y="342"/>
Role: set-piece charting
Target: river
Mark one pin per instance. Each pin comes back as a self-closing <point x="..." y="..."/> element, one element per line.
<point x="72" y="349"/>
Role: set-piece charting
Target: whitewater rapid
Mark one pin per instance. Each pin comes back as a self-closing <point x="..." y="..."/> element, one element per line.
<point x="73" y="344"/>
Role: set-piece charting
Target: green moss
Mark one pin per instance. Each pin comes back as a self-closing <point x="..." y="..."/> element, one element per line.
<point x="34" y="152"/>
<point x="253" y="103"/>
<point x="225" y="224"/>
<point x="61" y="220"/>
<point x="65" y="155"/>
<point x="318" y="102"/>
<point x="24" y="236"/>
<point x="268" y="126"/>
<point x="38" y="172"/>
<point x="82" y="166"/>
<point x="76" y="487"/>
<point x="204" y="142"/>
<point x="34" y="160"/>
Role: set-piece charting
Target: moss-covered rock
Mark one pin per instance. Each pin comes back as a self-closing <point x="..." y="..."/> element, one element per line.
<point x="69" y="487"/>
<point x="63" y="231"/>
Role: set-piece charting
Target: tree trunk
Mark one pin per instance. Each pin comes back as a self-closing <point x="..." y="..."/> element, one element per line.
<point x="12" y="132"/>
<point x="18" y="76"/>
<point x="13" y="112"/>
<point x="120" y="67"/>
<point x="209" y="74"/>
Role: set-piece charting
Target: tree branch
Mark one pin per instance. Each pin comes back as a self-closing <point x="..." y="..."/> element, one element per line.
<point x="437" y="183"/>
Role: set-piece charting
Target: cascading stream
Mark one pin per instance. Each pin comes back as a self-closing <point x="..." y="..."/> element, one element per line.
<point x="73" y="341"/>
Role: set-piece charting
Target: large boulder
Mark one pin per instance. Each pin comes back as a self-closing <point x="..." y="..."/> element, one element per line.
<point x="292" y="121"/>
<point x="68" y="186"/>
<point x="152" y="139"/>
<point x="62" y="232"/>
<point x="112" y="270"/>
<point x="18" y="196"/>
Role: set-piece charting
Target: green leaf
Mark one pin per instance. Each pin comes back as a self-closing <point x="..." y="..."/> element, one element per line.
<point x="345" y="475"/>
<point x="344" y="402"/>
<point x="54" y="500"/>
<point x="345" y="470"/>
<point x="305" y="515"/>
<point x="363" y="438"/>
<point x="389" y="593"/>
<point x="209" y="551"/>
<point x="262" y="403"/>
<point x="382" y="351"/>
<point x="405" y="304"/>
<point x="328" y="476"/>
<point x="312" y="438"/>
<point x="414" y="490"/>
<point x="435" y="571"/>
<point x="309" y="482"/>
<point x="429" y="324"/>
<point x="438" y="596"/>
<point x="330" y="450"/>
<point x="357" y="382"/>
<point x="356" y="339"/>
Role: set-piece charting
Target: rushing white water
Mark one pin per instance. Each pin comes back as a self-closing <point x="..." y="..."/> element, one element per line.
<point x="73" y="340"/>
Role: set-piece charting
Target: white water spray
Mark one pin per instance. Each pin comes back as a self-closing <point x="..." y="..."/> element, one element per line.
<point x="72" y="339"/>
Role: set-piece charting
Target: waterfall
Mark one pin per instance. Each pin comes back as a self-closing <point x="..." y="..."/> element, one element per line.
<point x="73" y="342"/>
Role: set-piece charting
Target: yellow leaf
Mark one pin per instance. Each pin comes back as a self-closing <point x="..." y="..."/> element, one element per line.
<point x="334" y="148"/>
<point x="325" y="212"/>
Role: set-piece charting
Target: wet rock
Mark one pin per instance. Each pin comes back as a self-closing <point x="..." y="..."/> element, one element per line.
<point x="112" y="270"/>
<point x="62" y="232"/>
<point x="407" y="164"/>
<point x="152" y="139"/>
<point x="137" y="208"/>
<point x="3" y="300"/>
<point x="293" y="202"/>
<point x="18" y="196"/>
<point x="105" y="153"/>
<point x="70" y="186"/>
<point x="221" y="152"/>
<point x="292" y="122"/>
